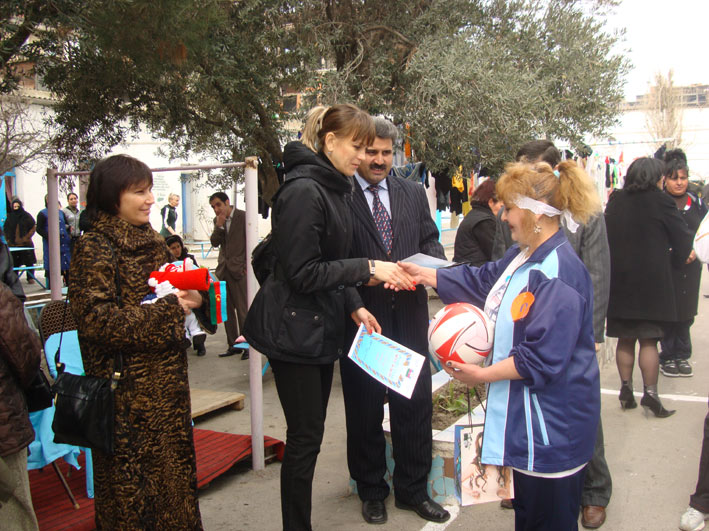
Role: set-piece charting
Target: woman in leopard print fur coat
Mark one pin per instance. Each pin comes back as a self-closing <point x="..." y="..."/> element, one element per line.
<point x="150" y="482"/>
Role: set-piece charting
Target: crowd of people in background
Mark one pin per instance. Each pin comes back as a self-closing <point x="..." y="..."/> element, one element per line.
<point x="342" y="223"/>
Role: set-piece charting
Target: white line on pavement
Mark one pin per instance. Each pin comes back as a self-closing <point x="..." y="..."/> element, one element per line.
<point x="431" y="526"/>
<point x="455" y="509"/>
<point x="680" y="398"/>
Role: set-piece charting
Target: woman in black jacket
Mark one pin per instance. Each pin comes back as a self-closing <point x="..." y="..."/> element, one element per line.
<point x="676" y="345"/>
<point x="647" y="238"/>
<point x="473" y="241"/>
<point x="297" y="318"/>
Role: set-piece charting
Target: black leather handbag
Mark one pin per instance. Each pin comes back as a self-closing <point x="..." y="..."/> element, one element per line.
<point x="83" y="413"/>
<point x="84" y="405"/>
<point x="39" y="393"/>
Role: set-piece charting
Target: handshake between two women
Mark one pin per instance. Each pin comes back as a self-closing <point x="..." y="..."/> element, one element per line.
<point x="395" y="276"/>
<point x="402" y="275"/>
<point x="392" y="275"/>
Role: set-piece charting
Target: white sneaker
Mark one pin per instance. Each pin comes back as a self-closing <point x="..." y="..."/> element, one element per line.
<point x="692" y="520"/>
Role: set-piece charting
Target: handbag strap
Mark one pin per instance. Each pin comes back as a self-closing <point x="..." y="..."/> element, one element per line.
<point x="117" y="357"/>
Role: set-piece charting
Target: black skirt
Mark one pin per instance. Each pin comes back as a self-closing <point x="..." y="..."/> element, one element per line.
<point x="634" y="328"/>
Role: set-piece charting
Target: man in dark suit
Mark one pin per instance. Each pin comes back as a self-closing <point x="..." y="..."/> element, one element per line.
<point x="391" y="221"/>
<point x="230" y="236"/>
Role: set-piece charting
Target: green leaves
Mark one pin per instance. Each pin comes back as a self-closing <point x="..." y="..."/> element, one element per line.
<point x="474" y="79"/>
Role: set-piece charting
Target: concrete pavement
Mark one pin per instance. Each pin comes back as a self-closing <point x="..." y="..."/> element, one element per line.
<point x="653" y="462"/>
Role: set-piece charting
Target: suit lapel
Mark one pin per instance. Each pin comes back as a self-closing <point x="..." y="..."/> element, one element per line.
<point x="396" y="203"/>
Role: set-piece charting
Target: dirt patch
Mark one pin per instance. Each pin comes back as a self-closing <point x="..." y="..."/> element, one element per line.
<point x="450" y="402"/>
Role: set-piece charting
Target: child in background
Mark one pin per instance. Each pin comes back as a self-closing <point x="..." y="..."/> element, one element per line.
<point x="186" y="262"/>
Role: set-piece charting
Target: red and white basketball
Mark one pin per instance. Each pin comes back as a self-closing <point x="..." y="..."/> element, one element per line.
<point x="460" y="332"/>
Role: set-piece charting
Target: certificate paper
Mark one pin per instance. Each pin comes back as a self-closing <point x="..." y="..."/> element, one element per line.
<point x="424" y="260"/>
<point x="386" y="361"/>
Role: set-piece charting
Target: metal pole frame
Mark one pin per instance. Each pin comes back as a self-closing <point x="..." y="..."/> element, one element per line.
<point x="255" y="373"/>
<point x="55" y="273"/>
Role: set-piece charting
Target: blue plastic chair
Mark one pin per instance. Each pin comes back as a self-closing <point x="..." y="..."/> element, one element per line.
<point x="43" y="450"/>
<point x="70" y="354"/>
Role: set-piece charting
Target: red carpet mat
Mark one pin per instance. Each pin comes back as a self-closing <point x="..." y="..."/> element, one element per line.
<point x="216" y="453"/>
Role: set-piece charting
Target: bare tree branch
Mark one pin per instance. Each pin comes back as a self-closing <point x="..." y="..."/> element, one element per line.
<point x="664" y="112"/>
<point x="23" y="139"/>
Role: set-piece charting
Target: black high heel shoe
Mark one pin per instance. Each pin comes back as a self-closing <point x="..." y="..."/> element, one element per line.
<point x="626" y="397"/>
<point x="650" y="401"/>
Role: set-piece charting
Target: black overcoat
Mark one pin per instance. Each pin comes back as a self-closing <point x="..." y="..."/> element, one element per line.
<point x="475" y="235"/>
<point x="687" y="278"/>
<point x="648" y="239"/>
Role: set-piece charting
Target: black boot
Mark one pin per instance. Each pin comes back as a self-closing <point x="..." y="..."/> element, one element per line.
<point x="626" y="397"/>
<point x="198" y="344"/>
<point x="651" y="401"/>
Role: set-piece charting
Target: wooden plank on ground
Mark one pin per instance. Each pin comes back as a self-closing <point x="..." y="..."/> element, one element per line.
<point x="205" y="401"/>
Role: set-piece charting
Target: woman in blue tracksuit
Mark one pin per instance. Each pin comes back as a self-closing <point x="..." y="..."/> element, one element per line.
<point x="544" y="396"/>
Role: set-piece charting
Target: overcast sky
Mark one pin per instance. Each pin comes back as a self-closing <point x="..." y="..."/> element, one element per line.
<point x="664" y="34"/>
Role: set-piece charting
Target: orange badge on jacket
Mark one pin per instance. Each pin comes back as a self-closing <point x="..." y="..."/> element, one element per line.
<point x="521" y="305"/>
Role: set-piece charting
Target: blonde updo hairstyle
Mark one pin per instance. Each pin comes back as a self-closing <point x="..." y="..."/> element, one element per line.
<point x="344" y="121"/>
<point x="572" y="190"/>
<point x="313" y="124"/>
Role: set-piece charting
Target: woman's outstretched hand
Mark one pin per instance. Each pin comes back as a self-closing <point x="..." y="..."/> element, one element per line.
<point x="362" y="316"/>
<point x="420" y="275"/>
<point x="393" y="276"/>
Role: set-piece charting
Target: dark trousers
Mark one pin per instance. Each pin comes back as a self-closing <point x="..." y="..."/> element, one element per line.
<point x="546" y="504"/>
<point x="236" y="307"/>
<point x="700" y="499"/>
<point x="410" y="421"/>
<point x="677" y="343"/>
<point x="597" y="485"/>
<point x="303" y="391"/>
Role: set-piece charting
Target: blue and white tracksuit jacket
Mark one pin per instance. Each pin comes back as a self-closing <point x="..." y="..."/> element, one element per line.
<point x="546" y="422"/>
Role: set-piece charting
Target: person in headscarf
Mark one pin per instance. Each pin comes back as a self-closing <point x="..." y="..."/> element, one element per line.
<point x="19" y="229"/>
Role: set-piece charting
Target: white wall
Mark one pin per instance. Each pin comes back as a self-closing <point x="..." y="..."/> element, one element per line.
<point x="31" y="187"/>
<point x="634" y="140"/>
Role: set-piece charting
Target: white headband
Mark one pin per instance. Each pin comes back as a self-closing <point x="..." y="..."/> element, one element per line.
<point x="538" y="207"/>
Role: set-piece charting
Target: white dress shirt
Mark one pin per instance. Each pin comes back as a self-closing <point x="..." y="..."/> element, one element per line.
<point x="369" y="196"/>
